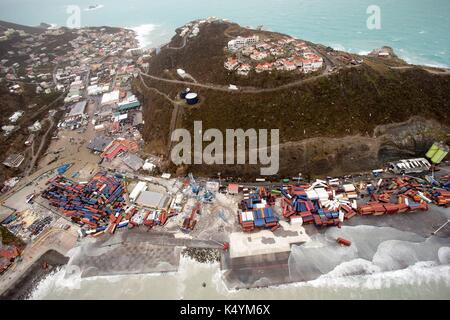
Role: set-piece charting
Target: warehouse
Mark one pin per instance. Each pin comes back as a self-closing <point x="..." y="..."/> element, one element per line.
<point x="99" y="143"/>
<point x="127" y="105"/>
<point x="154" y="200"/>
<point x="410" y="166"/>
<point x="14" y="160"/>
<point x="77" y="109"/>
<point x="110" y="97"/>
<point x="133" y="162"/>
<point x="120" y="117"/>
<point x="140" y="186"/>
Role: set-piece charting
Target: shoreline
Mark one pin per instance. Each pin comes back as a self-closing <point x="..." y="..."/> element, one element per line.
<point x="252" y="272"/>
<point x="320" y="282"/>
<point x="26" y="284"/>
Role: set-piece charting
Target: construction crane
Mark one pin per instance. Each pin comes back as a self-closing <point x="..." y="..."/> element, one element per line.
<point x="190" y="222"/>
<point x="225" y="245"/>
<point x="194" y="185"/>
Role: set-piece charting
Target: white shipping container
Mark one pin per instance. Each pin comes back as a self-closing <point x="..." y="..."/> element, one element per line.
<point x="322" y="193"/>
<point x="296" y="220"/>
<point x="349" y="187"/>
<point x="312" y="195"/>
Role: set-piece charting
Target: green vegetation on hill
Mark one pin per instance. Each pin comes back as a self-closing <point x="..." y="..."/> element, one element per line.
<point x="350" y="102"/>
<point x="8" y="238"/>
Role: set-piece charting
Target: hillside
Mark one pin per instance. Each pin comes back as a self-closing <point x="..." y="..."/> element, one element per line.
<point x="4" y="25"/>
<point x="351" y="103"/>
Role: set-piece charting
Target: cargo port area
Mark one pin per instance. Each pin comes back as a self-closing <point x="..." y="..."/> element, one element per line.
<point x="112" y="222"/>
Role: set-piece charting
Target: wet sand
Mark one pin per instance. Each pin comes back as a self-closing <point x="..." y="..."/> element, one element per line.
<point x="28" y="281"/>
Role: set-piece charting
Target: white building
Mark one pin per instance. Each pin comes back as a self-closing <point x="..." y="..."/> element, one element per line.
<point x="110" y="97"/>
<point x="140" y="186"/>
<point x="181" y="73"/>
<point x="258" y="56"/>
<point x="231" y="64"/>
<point x="243" y="69"/>
<point x="35" y="127"/>
<point x="241" y="42"/>
<point x="15" y="116"/>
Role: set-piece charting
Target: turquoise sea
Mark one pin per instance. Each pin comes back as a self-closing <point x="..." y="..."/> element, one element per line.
<point x="418" y="30"/>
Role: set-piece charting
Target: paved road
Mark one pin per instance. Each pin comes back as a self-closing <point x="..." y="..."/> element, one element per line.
<point x="180" y="47"/>
<point x="35" y="157"/>
<point x="432" y="71"/>
<point x="175" y="112"/>
<point x="225" y="88"/>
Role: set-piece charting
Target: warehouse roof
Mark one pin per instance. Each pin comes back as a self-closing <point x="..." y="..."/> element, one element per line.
<point x="133" y="161"/>
<point x="152" y="199"/>
<point x="110" y="97"/>
<point x="99" y="143"/>
<point x="77" y="109"/>
<point x="14" y="160"/>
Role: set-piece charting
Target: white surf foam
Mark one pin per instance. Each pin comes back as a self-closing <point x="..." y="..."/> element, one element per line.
<point x="417" y="274"/>
<point x="95" y="8"/>
<point x="186" y="284"/>
<point x="144" y="34"/>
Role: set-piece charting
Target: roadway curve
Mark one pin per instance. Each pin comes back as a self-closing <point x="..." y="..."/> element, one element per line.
<point x="224" y="88"/>
<point x="35" y="157"/>
<point x="432" y="71"/>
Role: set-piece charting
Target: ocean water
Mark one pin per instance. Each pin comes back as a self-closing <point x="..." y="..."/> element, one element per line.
<point x="424" y="280"/>
<point x="418" y="30"/>
<point x="382" y="263"/>
<point x="395" y="266"/>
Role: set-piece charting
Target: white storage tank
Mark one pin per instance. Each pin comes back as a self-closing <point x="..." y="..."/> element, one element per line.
<point x="191" y="98"/>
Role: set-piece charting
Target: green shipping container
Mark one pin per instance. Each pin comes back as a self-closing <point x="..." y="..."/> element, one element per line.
<point x="443" y="154"/>
<point x="439" y="156"/>
<point x="432" y="151"/>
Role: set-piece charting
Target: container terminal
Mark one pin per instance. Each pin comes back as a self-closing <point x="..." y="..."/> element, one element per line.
<point x="97" y="192"/>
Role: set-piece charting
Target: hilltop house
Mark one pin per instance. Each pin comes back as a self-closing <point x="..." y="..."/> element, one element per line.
<point x="231" y="64"/>
<point x="261" y="67"/>
<point x="240" y="42"/>
<point x="256" y="55"/>
<point x="244" y="69"/>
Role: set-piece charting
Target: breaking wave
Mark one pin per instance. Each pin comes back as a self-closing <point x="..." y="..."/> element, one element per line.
<point x="145" y="34"/>
<point x="423" y="280"/>
<point x="355" y="279"/>
<point x="381" y="263"/>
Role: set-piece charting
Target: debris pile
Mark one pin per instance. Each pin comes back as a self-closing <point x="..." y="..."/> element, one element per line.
<point x="87" y="204"/>
<point x="400" y="195"/>
<point x="256" y="211"/>
<point x="8" y="253"/>
<point x="321" y="203"/>
<point x="202" y="255"/>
